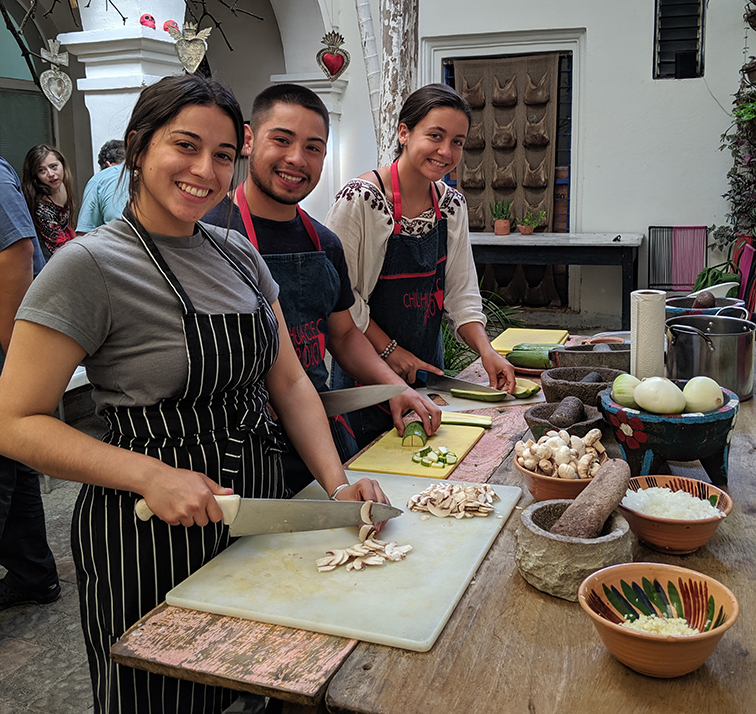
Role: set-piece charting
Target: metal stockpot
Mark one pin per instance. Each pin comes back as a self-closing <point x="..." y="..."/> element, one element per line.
<point x="715" y="346"/>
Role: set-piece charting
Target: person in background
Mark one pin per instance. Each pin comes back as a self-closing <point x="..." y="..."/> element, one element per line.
<point x="48" y="188"/>
<point x="286" y="144"/>
<point x="181" y="333"/>
<point x="409" y="254"/>
<point x="106" y="193"/>
<point x="24" y="552"/>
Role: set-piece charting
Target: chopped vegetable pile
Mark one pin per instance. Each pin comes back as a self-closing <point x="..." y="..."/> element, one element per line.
<point x="436" y="458"/>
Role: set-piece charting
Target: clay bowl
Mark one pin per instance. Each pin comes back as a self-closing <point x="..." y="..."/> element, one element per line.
<point x="672" y="535"/>
<point x="547" y="488"/>
<point x="679" y="306"/>
<point x="558" y="564"/>
<point x="665" y="591"/>
<point x="565" y="381"/>
<point x="537" y="418"/>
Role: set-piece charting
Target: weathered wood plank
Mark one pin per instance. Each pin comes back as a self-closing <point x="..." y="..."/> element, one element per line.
<point x="509" y="647"/>
<point x="282" y="662"/>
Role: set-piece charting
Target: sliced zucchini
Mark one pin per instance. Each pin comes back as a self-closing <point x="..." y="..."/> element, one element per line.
<point x="425" y="461"/>
<point x="478" y="396"/>
<point x="417" y="458"/>
<point x="466" y="419"/>
<point x="451" y="458"/>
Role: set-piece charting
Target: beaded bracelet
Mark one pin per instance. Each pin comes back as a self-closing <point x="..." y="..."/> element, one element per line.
<point x="336" y="490"/>
<point x="389" y="349"/>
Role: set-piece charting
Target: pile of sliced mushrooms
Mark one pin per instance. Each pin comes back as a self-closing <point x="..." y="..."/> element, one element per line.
<point x="369" y="551"/>
<point x="562" y="455"/>
<point x="445" y="500"/>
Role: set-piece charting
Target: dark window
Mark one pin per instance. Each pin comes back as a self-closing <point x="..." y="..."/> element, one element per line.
<point x="678" y="39"/>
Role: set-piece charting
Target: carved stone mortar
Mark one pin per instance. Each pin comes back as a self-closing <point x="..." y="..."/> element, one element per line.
<point x="557" y="564"/>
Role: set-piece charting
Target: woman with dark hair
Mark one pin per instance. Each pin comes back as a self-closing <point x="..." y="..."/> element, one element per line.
<point x="408" y="251"/>
<point x="48" y="189"/>
<point x="179" y="327"/>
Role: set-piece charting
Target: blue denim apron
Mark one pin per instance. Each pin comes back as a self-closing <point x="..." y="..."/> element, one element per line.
<point x="407" y="304"/>
<point x="309" y="290"/>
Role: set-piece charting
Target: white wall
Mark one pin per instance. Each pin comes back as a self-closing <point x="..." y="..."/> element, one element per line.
<point x="645" y="151"/>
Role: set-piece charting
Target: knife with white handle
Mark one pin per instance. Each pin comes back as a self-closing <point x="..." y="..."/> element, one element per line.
<point x="256" y="516"/>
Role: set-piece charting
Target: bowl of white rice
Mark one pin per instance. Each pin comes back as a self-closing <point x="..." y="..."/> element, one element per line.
<point x="660" y="620"/>
<point x="674" y="514"/>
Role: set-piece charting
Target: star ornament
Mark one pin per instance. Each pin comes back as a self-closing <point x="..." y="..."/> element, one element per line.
<point x="333" y="59"/>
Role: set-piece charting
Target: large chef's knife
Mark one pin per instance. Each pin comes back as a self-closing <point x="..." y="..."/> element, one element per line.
<point x="446" y="384"/>
<point x="342" y="401"/>
<point x="256" y="516"/>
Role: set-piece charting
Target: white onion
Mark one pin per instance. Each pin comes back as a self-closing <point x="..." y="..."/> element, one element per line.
<point x="659" y="395"/>
<point x="702" y="394"/>
<point x="623" y="389"/>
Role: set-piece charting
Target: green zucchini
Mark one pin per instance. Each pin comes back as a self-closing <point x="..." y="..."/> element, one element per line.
<point x="529" y="356"/>
<point x="414" y="434"/>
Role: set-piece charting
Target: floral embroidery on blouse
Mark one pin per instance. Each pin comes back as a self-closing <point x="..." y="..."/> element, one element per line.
<point x="450" y="202"/>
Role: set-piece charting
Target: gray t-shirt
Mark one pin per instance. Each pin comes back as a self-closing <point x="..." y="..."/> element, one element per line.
<point x="104" y="291"/>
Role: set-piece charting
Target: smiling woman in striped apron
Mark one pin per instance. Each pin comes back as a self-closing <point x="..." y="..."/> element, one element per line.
<point x="183" y="339"/>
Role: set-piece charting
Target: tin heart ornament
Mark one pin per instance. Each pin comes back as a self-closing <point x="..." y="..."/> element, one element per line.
<point x="56" y="86"/>
<point x="332" y="59"/>
<point x="190" y="46"/>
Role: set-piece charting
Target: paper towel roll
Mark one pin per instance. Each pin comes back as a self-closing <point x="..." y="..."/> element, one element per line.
<point x="647" y="333"/>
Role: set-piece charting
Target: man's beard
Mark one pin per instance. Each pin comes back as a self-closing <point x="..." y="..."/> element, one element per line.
<point x="283" y="198"/>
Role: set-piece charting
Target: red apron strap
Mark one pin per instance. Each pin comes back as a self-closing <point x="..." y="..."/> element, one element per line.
<point x="241" y="200"/>
<point x="397" y="196"/>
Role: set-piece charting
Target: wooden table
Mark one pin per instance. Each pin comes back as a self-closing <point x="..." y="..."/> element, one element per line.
<point x="566" y="249"/>
<point x="506" y="648"/>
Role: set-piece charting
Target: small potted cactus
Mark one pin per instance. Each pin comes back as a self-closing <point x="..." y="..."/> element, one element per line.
<point x="501" y="214"/>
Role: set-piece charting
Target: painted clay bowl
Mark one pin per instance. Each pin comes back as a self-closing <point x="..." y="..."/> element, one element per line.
<point x="565" y="382"/>
<point x="673" y="535"/>
<point x="628" y="590"/>
<point x="647" y="440"/>
<point x="547" y="488"/>
<point x="537" y="418"/>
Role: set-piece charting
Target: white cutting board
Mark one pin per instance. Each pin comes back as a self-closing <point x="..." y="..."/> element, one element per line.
<point x="274" y="579"/>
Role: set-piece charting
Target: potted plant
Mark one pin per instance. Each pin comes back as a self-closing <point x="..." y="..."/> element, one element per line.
<point x="528" y="224"/>
<point x="501" y="214"/>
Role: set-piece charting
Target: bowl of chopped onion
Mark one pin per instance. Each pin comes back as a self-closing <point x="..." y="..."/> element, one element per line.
<point x="660" y="620"/>
<point x="674" y="514"/>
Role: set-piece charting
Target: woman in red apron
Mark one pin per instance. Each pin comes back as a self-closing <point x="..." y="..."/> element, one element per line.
<point x="407" y="245"/>
<point x="181" y="333"/>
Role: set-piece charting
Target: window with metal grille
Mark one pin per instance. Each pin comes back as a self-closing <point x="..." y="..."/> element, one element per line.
<point x="678" y="39"/>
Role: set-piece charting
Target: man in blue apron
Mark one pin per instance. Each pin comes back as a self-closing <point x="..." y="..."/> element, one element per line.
<point x="286" y="145"/>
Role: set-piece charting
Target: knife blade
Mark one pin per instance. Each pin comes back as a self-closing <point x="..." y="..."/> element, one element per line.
<point x="342" y="401"/>
<point x="257" y="516"/>
<point x="446" y="384"/>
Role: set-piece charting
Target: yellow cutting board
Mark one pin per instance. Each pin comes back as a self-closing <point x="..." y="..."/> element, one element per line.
<point x="388" y="456"/>
<point x="512" y="336"/>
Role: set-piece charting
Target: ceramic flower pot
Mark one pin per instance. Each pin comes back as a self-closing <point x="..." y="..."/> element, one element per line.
<point x="525" y="230"/>
<point x="501" y="227"/>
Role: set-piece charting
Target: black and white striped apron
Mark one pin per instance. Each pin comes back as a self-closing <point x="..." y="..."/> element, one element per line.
<point x="219" y="426"/>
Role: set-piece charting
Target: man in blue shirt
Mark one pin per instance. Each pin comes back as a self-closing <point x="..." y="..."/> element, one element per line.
<point x="32" y="576"/>
<point x="107" y="192"/>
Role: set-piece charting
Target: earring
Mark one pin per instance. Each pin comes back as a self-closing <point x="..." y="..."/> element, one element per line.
<point x="136" y="174"/>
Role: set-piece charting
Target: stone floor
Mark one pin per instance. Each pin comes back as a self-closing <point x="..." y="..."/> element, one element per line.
<point x="43" y="666"/>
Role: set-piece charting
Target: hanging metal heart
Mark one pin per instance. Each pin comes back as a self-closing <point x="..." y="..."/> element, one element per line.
<point x="57" y="86"/>
<point x="333" y="61"/>
<point x="190" y="53"/>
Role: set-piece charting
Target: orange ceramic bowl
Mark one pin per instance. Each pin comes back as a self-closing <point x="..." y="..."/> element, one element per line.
<point x="672" y="535"/>
<point x="547" y="488"/>
<point x="631" y="589"/>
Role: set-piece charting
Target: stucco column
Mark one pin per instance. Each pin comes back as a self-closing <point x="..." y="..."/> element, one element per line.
<point x="319" y="201"/>
<point x="121" y="59"/>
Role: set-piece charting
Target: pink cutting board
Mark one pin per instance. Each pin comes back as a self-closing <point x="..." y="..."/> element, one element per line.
<point x="388" y="456"/>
